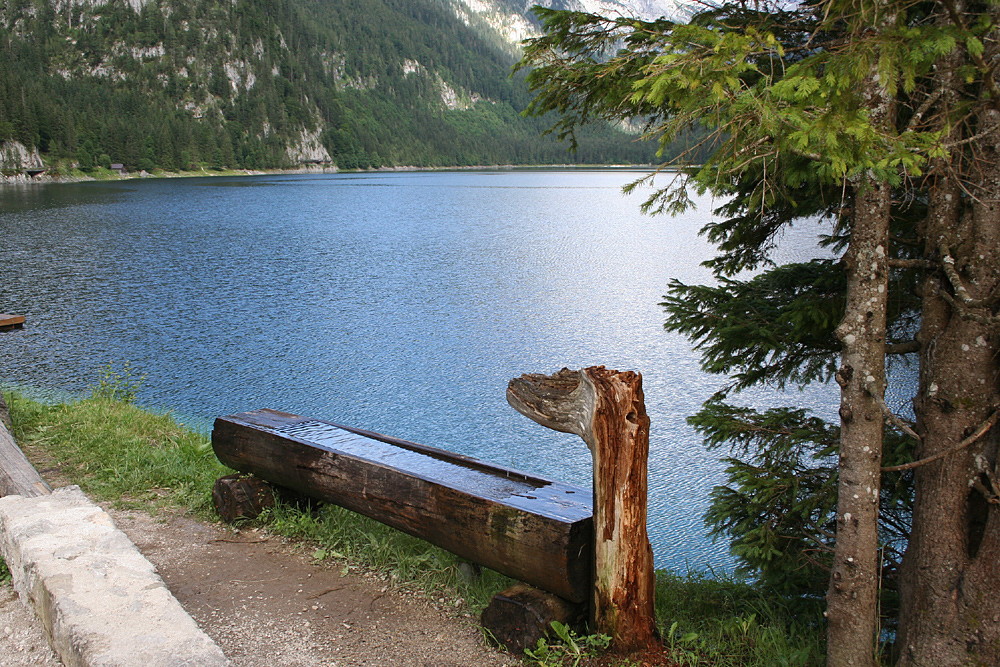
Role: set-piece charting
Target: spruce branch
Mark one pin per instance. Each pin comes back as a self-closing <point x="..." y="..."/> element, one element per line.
<point x="974" y="138"/>
<point x="895" y="419"/>
<point x="987" y="70"/>
<point x="965" y="313"/>
<point x="924" y="108"/>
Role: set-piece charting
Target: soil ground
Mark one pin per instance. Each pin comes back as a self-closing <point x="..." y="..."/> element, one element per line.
<point x="266" y="603"/>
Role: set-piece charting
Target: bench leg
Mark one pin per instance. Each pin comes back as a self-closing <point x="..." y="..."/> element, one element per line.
<point x="521" y="615"/>
<point x="241" y="497"/>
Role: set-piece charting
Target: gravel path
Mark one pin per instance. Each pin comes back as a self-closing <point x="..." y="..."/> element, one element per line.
<point x="21" y="638"/>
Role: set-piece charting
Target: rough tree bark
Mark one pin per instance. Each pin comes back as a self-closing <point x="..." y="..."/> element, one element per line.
<point x="852" y="598"/>
<point x="950" y="579"/>
<point x="607" y="409"/>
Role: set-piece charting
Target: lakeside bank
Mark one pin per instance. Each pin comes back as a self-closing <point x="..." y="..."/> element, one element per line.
<point x="139" y="462"/>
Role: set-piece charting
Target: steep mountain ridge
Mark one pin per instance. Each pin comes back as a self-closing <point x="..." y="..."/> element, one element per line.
<point x="272" y="83"/>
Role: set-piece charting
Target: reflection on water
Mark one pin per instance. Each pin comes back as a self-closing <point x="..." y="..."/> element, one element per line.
<point x="396" y="302"/>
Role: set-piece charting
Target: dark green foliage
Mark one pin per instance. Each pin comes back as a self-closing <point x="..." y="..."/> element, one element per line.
<point x="776" y="327"/>
<point x="183" y="85"/>
<point x="778" y="508"/>
<point x="779" y="505"/>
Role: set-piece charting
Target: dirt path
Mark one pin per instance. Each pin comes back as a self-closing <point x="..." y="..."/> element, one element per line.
<point x="266" y="604"/>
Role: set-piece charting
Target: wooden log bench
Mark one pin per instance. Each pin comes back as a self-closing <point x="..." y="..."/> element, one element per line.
<point x="533" y="529"/>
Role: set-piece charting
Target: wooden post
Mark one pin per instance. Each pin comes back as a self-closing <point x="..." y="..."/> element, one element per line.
<point x="607" y="409"/>
<point x="17" y="476"/>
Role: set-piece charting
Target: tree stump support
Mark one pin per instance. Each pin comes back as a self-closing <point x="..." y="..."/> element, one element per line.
<point x="607" y="409"/>
<point x="241" y="497"/>
<point x="521" y="615"/>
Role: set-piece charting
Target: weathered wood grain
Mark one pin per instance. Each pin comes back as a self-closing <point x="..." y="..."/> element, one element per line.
<point x="533" y="529"/>
<point x="241" y="497"/>
<point x="607" y="409"/>
<point x="17" y="476"/>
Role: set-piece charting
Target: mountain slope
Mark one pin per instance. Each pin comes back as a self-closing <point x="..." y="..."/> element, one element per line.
<point x="270" y="83"/>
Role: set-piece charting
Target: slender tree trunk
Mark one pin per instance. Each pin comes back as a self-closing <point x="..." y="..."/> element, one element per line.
<point x="852" y="598"/>
<point x="853" y="593"/>
<point x="950" y="580"/>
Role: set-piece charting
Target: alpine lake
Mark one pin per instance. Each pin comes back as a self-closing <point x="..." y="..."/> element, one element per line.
<point x="399" y="302"/>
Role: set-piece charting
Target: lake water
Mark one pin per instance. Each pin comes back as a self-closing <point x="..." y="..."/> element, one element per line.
<point x="396" y="302"/>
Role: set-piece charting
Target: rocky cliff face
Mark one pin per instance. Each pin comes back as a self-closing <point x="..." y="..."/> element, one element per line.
<point x="15" y="156"/>
<point x="308" y="150"/>
<point x="644" y="9"/>
<point x="514" y="21"/>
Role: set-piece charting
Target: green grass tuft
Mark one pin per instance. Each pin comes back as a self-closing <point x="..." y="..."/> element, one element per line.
<point x="728" y="622"/>
<point x="118" y="452"/>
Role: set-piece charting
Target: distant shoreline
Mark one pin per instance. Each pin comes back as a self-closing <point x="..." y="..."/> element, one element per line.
<point x="108" y="175"/>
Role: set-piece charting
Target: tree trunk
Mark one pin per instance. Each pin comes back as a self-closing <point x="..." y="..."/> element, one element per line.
<point x="950" y="580"/>
<point x="607" y="409"/>
<point x="852" y="598"/>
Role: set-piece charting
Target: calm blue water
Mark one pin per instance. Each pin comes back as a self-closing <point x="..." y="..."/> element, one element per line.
<point x="396" y="302"/>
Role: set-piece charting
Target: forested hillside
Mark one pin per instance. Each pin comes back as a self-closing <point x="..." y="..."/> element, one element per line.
<point x="181" y="84"/>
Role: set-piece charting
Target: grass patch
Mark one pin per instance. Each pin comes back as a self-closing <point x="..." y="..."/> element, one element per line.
<point x="4" y="572"/>
<point x="120" y="453"/>
<point x="728" y="622"/>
